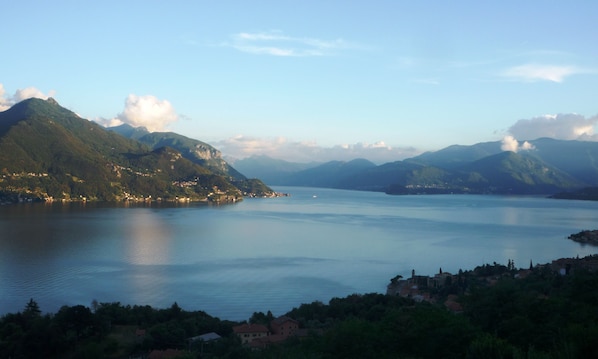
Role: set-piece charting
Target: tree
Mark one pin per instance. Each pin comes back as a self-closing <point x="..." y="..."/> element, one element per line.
<point x="167" y="335"/>
<point x="261" y="318"/>
<point x="32" y="309"/>
<point x="175" y="311"/>
<point x="77" y="319"/>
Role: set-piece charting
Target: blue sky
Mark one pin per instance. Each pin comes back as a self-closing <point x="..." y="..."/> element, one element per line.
<point x="313" y="80"/>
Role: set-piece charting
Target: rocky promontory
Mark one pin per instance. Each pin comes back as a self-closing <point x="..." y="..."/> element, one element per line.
<point x="586" y="237"/>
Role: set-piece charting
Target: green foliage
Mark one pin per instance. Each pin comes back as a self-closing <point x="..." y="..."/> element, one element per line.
<point x="541" y="312"/>
<point x="487" y="346"/>
<point x="261" y="318"/>
<point x="79" y="332"/>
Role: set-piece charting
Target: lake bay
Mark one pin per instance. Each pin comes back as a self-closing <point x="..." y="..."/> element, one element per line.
<point x="269" y="254"/>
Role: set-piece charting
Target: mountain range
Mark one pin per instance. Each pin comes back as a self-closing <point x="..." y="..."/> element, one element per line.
<point x="550" y="166"/>
<point x="49" y="153"/>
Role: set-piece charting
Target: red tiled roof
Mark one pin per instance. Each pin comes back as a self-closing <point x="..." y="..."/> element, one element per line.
<point x="250" y="328"/>
<point x="283" y="319"/>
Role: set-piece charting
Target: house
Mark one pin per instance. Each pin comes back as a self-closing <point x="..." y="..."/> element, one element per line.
<point x="250" y="332"/>
<point x="284" y="326"/>
<point x="203" y="341"/>
<point x="207" y="337"/>
<point x="440" y="280"/>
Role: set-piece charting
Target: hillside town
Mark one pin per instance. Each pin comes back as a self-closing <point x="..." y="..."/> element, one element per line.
<point x="447" y="286"/>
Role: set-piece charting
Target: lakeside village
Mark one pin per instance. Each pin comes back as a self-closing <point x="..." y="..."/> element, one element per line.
<point x="446" y="286"/>
<point x="442" y="288"/>
<point x="214" y="194"/>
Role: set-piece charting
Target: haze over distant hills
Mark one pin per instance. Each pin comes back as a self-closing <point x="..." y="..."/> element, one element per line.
<point x="48" y="152"/>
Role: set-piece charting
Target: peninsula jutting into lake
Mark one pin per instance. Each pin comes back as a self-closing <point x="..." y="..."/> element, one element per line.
<point x="586" y="237"/>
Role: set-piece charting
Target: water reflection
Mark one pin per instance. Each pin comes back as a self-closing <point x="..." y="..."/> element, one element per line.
<point x="148" y="237"/>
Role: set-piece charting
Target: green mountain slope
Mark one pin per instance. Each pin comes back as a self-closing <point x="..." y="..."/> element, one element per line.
<point x="509" y="172"/>
<point x="193" y="150"/>
<point x="200" y="153"/>
<point x="48" y="152"/>
<point x="577" y="158"/>
<point x="400" y="173"/>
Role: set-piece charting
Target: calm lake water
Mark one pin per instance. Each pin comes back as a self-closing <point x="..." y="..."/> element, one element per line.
<point x="269" y="254"/>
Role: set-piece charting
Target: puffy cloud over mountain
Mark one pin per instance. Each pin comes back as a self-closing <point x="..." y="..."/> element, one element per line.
<point x="509" y="143"/>
<point x="569" y="126"/>
<point x="148" y="111"/>
<point x="21" y="94"/>
<point x="144" y="111"/>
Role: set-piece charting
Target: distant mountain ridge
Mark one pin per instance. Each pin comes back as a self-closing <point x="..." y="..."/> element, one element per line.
<point x="268" y="169"/>
<point x="49" y="153"/>
<point x="550" y="167"/>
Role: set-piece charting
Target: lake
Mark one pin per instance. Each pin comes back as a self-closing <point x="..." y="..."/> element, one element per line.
<point x="269" y="254"/>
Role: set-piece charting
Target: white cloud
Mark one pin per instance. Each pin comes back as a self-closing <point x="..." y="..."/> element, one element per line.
<point x="569" y="126"/>
<point x="536" y="72"/>
<point x="304" y="152"/>
<point x="275" y="43"/>
<point x="144" y="111"/>
<point x="108" y="122"/>
<point x="509" y="143"/>
<point x="21" y="94"/>
<point x="526" y="146"/>
<point x="4" y="102"/>
<point x="31" y="92"/>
